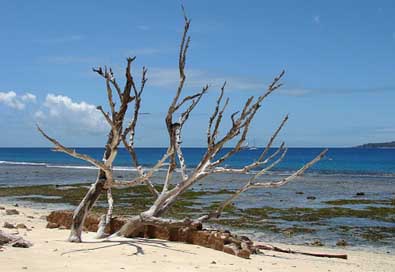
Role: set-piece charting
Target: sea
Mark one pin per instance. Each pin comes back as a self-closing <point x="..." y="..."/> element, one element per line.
<point x="344" y="174"/>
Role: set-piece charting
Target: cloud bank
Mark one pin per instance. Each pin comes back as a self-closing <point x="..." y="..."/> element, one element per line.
<point x="62" y="111"/>
<point x="15" y="101"/>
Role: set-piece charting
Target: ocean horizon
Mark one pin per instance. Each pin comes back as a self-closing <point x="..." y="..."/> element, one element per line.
<point x="352" y="161"/>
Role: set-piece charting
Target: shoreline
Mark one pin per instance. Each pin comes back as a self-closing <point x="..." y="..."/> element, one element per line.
<point x="51" y="252"/>
<point x="39" y="207"/>
<point x="363" y="222"/>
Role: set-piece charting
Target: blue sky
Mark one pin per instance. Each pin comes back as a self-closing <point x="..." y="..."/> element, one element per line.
<point x="339" y="57"/>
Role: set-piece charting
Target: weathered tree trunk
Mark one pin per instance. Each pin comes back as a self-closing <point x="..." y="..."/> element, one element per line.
<point x="212" y="161"/>
<point x="105" y="219"/>
<point x="288" y="250"/>
<point x="85" y="206"/>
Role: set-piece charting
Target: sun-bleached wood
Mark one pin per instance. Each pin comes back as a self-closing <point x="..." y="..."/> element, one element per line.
<point x="178" y="113"/>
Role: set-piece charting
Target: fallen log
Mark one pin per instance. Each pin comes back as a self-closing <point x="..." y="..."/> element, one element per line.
<point x="325" y="255"/>
<point x="225" y="241"/>
<point x="194" y="233"/>
<point x="13" y="240"/>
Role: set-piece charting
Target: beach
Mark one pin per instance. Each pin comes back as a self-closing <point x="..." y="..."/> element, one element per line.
<point x="197" y="136"/>
<point x="349" y="210"/>
<point x="51" y="252"/>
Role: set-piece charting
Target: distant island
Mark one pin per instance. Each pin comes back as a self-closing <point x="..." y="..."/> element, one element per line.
<point x="378" y="145"/>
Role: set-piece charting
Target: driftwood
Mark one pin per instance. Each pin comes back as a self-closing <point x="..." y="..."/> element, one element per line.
<point x="181" y="231"/>
<point x="171" y="230"/>
<point x="212" y="162"/>
<point x="325" y="255"/>
<point x="13" y="240"/>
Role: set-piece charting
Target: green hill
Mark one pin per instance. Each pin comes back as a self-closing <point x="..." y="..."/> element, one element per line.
<point x="378" y="145"/>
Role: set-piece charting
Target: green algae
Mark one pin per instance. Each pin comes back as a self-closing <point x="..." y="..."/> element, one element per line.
<point x="134" y="200"/>
<point x="376" y="234"/>
<point x="342" y="202"/>
<point x="130" y="200"/>
<point x="386" y="214"/>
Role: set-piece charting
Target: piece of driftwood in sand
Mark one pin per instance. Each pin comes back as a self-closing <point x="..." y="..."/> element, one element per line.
<point x="212" y="162"/>
<point x="13" y="240"/>
<point x="288" y="250"/>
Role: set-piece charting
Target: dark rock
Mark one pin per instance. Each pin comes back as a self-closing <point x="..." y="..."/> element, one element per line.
<point x="299" y="193"/>
<point x="8" y="225"/>
<point x="341" y="242"/>
<point x="22" y="243"/>
<point x="317" y="243"/>
<point x="311" y="197"/>
<point x="15" y="241"/>
<point x="288" y="232"/>
<point x="16" y="205"/>
<point x="11" y="212"/>
<point x="360" y="194"/>
<point x="2" y="208"/>
<point x="21" y="226"/>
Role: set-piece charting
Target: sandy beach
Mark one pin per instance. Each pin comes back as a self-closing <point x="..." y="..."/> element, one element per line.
<point x="51" y="252"/>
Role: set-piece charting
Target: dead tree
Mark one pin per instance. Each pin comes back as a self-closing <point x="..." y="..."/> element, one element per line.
<point x="115" y="119"/>
<point x="210" y="164"/>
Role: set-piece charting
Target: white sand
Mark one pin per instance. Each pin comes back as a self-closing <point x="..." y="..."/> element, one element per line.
<point x="52" y="253"/>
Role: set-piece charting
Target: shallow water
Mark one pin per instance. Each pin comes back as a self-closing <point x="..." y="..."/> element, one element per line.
<point x="339" y="178"/>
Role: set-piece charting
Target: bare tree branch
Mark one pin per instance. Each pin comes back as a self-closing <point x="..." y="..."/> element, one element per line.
<point x="182" y="106"/>
<point x="109" y="76"/>
<point x="214" y="115"/>
<point x="298" y="173"/>
<point x="250" y="184"/>
<point x="61" y="148"/>
<point x="249" y="167"/>
<point x="141" y="179"/>
<point x="268" y="146"/>
<point x="106" y="116"/>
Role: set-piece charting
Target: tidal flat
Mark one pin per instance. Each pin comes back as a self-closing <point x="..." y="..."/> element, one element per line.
<point x="359" y="221"/>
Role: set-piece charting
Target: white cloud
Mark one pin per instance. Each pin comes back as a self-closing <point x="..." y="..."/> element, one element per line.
<point x="317" y="19"/>
<point x="385" y="130"/>
<point x="11" y="99"/>
<point x="28" y="97"/>
<point x="143" y="27"/>
<point x="168" y="77"/>
<point x="143" y="51"/>
<point x="295" y="92"/>
<point x="59" y="110"/>
<point x="61" y="39"/>
<point x="68" y="59"/>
